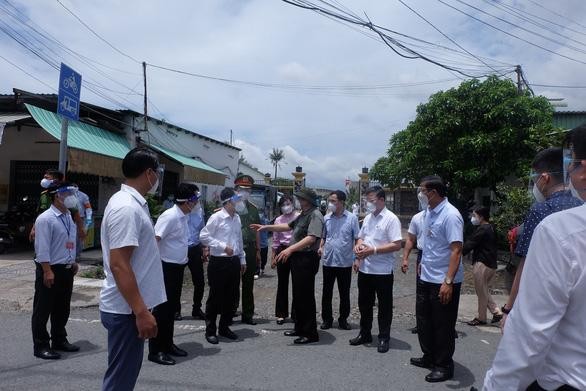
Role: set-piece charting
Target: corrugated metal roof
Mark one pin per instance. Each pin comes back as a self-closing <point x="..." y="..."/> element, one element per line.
<point x="187" y="161"/>
<point x="569" y="119"/>
<point x="9" y="118"/>
<point x="81" y="135"/>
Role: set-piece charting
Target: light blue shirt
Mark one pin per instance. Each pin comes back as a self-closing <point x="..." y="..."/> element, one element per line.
<point x="195" y="223"/>
<point x="340" y="233"/>
<point x="443" y="226"/>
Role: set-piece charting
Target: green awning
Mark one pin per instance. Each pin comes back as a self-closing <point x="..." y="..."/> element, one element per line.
<point x="81" y="135"/>
<point x="194" y="169"/>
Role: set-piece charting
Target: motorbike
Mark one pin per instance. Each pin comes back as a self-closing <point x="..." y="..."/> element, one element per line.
<point x="15" y="225"/>
<point x="6" y="236"/>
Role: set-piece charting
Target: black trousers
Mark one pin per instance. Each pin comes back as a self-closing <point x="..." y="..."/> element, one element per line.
<point x="165" y="313"/>
<point x="381" y="286"/>
<point x="53" y="303"/>
<point x="536" y="387"/>
<point x="344" y="277"/>
<point x="304" y="267"/>
<point x="282" y="301"/>
<point x="224" y="283"/>
<point x="264" y="256"/>
<point x="436" y="323"/>
<point x="195" y="266"/>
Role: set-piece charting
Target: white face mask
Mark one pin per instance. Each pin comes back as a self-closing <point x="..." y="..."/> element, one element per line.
<point x="370" y="207"/>
<point x="574" y="191"/>
<point x="423" y="200"/>
<point x="539" y="197"/>
<point x="332" y="207"/>
<point x="245" y="194"/>
<point x="70" y="202"/>
<point x="196" y="209"/>
<point x="240" y="207"/>
<point x="286" y="209"/>
<point x="155" y="187"/>
<point x="297" y="204"/>
<point x="45" y="183"/>
<point x="474" y="220"/>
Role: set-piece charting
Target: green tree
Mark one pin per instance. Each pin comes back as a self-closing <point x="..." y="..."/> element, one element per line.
<point x="475" y="135"/>
<point x="276" y="157"/>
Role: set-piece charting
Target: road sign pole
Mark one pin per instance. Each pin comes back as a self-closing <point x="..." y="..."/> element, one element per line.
<point x="63" y="145"/>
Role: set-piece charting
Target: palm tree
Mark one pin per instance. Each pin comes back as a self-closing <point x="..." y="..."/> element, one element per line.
<point x="276" y="156"/>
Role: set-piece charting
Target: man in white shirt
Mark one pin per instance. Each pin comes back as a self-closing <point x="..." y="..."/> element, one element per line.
<point x="171" y="231"/>
<point x="134" y="275"/>
<point x="223" y="235"/>
<point x="55" y="239"/>
<point x="543" y="343"/>
<point x="438" y="289"/>
<point x="415" y="239"/>
<point x="378" y="241"/>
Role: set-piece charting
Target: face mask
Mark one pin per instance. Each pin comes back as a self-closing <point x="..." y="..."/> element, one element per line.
<point x="332" y="207"/>
<point x="474" y="220"/>
<point x="196" y="209"/>
<point x="286" y="209"/>
<point x="539" y="197"/>
<point x="244" y="194"/>
<point x="45" y="183"/>
<point x="423" y="200"/>
<point x="240" y="207"/>
<point x="155" y="187"/>
<point x="297" y="204"/>
<point x="70" y="202"/>
<point x="370" y="207"/>
<point x="574" y="191"/>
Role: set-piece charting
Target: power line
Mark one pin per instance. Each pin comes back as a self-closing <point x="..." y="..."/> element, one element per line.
<point x="511" y="34"/>
<point x="96" y="34"/>
<point x="556" y="86"/>
<point x="557" y="14"/>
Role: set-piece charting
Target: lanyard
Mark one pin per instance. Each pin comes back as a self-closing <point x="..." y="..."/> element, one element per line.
<point x="67" y="226"/>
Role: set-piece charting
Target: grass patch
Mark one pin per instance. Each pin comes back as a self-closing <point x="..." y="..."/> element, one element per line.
<point x="95" y="272"/>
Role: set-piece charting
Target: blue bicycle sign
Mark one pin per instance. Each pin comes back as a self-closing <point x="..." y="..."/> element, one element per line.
<point x="69" y="93"/>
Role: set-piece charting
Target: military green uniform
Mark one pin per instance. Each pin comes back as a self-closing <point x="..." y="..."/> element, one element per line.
<point x="249" y="239"/>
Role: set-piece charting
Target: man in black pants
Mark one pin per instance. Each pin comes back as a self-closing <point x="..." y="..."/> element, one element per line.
<point x="378" y="240"/>
<point x="197" y="255"/>
<point x="302" y="253"/>
<point x="223" y="235"/>
<point x="337" y="255"/>
<point x="55" y="242"/>
<point x="171" y="233"/>
<point x="438" y="290"/>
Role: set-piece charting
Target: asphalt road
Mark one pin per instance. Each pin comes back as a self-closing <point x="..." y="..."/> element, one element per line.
<point x="263" y="359"/>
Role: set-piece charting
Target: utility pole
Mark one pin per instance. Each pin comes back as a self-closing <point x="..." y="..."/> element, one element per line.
<point x="231" y="137"/>
<point x="519" y="73"/>
<point x="146" y="129"/>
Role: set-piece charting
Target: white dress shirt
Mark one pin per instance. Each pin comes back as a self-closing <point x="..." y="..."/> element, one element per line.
<point x="221" y="231"/>
<point x="127" y="223"/>
<point x="55" y="237"/>
<point x="172" y="228"/>
<point x="545" y="335"/>
<point x="416" y="228"/>
<point x="378" y="231"/>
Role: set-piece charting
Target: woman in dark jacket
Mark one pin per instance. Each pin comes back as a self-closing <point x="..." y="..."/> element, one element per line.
<point x="483" y="245"/>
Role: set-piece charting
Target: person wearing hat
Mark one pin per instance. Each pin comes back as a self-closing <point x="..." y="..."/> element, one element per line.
<point x="171" y="234"/>
<point x="55" y="242"/>
<point x="250" y="215"/>
<point x="223" y="235"/>
<point x="302" y="253"/>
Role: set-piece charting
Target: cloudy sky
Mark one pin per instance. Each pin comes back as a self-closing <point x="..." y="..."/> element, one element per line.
<point x="332" y="134"/>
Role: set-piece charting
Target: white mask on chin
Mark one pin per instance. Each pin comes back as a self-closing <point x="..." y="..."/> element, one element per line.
<point x="539" y="197"/>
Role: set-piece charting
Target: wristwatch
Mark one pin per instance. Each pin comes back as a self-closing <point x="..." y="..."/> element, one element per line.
<point x="448" y="281"/>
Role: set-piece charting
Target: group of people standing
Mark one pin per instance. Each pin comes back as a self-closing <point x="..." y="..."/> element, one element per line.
<point x="145" y="263"/>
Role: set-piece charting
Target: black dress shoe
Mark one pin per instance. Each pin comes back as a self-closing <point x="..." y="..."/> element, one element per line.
<point x="161" y="359"/>
<point x="326" y="325"/>
<point x="291" y="333"/>
<point x="361" y="340"/>
<point x="178" y="316"/>
<point x="281" y="321"/>
<point x="249" y="321"/>
<point x="65" y="346"/>
<point x="383" y="346"/>
<point x="438" y="375"/>
<point x="198" y="314"/>
<point x="421" y="362"/>
<point x="177" y="351"/>
<point x="227" y="333"/>
<point x="212" y="339"/>
<point x="47" y="354"/>
<point x="414" y="330"/>
<point x="305" y="340"/>
<point x="343" y="325"/>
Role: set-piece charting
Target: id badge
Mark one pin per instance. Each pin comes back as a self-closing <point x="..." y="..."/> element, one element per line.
<point x="69" y="245"/>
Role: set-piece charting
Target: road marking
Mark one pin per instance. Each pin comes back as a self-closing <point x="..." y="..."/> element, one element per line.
<point x="485" y="341"/>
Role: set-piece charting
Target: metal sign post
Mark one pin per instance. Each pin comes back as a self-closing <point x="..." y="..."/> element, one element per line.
<point x="67" y="107"/>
